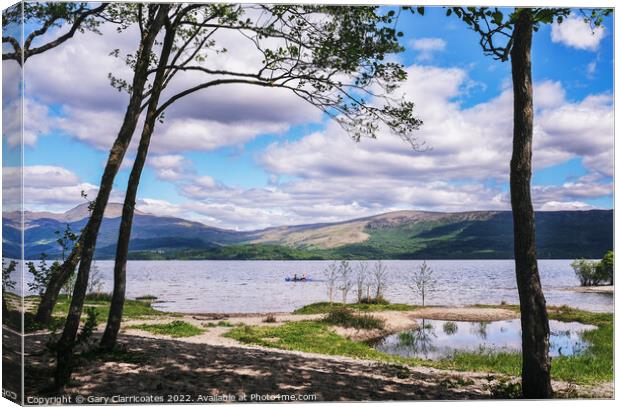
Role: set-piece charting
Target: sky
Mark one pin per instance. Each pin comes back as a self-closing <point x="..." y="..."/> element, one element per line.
<point x="243" y="157"/>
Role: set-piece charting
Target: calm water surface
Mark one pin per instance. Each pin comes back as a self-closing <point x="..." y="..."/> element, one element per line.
<point x="259" y="286"/>
<point x="434" y="339"/>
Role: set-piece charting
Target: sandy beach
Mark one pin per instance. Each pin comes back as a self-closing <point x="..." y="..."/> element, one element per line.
<point x="211" y="365"/>
<point x="600" y="289"/>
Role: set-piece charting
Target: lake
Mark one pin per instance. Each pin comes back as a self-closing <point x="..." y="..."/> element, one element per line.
<point x="259" y="286"/>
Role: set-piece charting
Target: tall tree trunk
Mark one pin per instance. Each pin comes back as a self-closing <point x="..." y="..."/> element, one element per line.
<point x="108" y="341"/>
<point x="536" y="371"/>
<point x="57" y="281"/>
<point x="67" y="340"/>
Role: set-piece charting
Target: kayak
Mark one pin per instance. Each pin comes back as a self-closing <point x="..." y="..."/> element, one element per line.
<point x="294" y="280"/>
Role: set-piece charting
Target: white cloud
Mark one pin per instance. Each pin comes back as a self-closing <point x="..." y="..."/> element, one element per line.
<point x="45" y="187"/>
<point x="170" y="167"/>
<point x="566" y="206"/>
<point x="186" y="134"/>
<point x="427" y="47"/>
<point x="206" y="120"/>
<point x="158" y="207"/>
<point x="575" y="32"/>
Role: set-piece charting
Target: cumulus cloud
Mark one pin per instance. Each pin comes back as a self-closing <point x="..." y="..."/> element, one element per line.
<point x="158" y="207"/>
<point x="45" y="187"/>
<point x="575" y="32"/>
<point x="206" y="120"/>
<point x="323" y="176"/>
<point x="170" y="167"/>
<point x="427" y="47"/>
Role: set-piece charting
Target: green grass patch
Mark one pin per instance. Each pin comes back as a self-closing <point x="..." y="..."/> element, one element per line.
<point x="345" y="317"/>
<point x="305" y="336"/>
<point x="99" y="297"/>
<point x="176" y="329"/>
<point x="133" y="309"/>
<point x="594" y="365"/>
<point x="327" y="307"/>
<point x="219" y="323"/>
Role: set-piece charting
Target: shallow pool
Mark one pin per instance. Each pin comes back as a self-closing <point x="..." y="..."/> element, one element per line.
<point x="434" y="339"/>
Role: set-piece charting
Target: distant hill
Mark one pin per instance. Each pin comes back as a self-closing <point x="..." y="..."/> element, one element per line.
<point x="393" y="235"/>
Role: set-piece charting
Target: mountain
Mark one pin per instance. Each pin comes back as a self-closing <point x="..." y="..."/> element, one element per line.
<point x="149" y="232"/>
<point x="393" y="235"/>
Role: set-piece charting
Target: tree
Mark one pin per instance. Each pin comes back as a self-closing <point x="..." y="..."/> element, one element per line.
<point x="509" y="37"/>
<point x="41" y="17"/>
<point x="331" y="277"/>
<point x="344" y="277"/>
<point x="330" y="63"/>
<point x="379" y="275"/>
<point x="7" y="283"/>
<point x="42" y="274"/>
<point x="56" y="283"/>
<point x="422" y="281"/>
<point x="152" y="21"/>
<point x="79" y="17"/>
<point x="605" y="268"/>
<point x="586" y="272"/>
<point x="65" y="240"/>
<point x="360" y="280"/>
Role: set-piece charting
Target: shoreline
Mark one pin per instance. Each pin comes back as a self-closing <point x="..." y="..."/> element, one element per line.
<point x="595" y="289"/>
<point x="213" y="363"/>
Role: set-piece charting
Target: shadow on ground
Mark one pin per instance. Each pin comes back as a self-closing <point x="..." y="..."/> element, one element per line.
<point x="164" y="367"/>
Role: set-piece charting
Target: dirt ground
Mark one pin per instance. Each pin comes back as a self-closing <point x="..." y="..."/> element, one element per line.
<point x="210" y="367"/>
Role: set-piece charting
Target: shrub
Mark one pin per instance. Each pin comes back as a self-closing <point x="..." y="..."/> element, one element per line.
<point x="269" y="318"/>
<point x="505" y="389"/>
<point x="346" y="318"/>
<point x="90" y="325"/>
<point x="42" y="274"/>
<point x="377" y="300"/>
<point x="450" y="327"/>
<point x="605" y="268"/>
<point x="585" y="270"/>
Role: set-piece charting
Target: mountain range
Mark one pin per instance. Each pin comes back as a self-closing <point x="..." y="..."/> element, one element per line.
<point x="393" y="235"/>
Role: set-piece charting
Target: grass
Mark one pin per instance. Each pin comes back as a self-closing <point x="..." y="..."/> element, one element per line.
<point x="99" y="297"/>
<point x="219" y="323"/>
<point x="175" y="329"/>
<point x="133" y="309"/>
<point x="306" y="336"/>
<point x="594" y="365"/>
<point x="345" y="317"/>
<point x="327" y="307"/>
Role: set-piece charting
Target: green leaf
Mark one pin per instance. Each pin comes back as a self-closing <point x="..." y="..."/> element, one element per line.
<point x="498" y="17"/>
<point x="421" y="10"/>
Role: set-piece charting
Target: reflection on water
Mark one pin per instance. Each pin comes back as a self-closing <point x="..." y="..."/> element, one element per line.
<point x="434" y="339"/>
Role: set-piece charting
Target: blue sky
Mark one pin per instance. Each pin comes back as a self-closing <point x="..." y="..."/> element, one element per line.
<point x="268" y="159"/>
